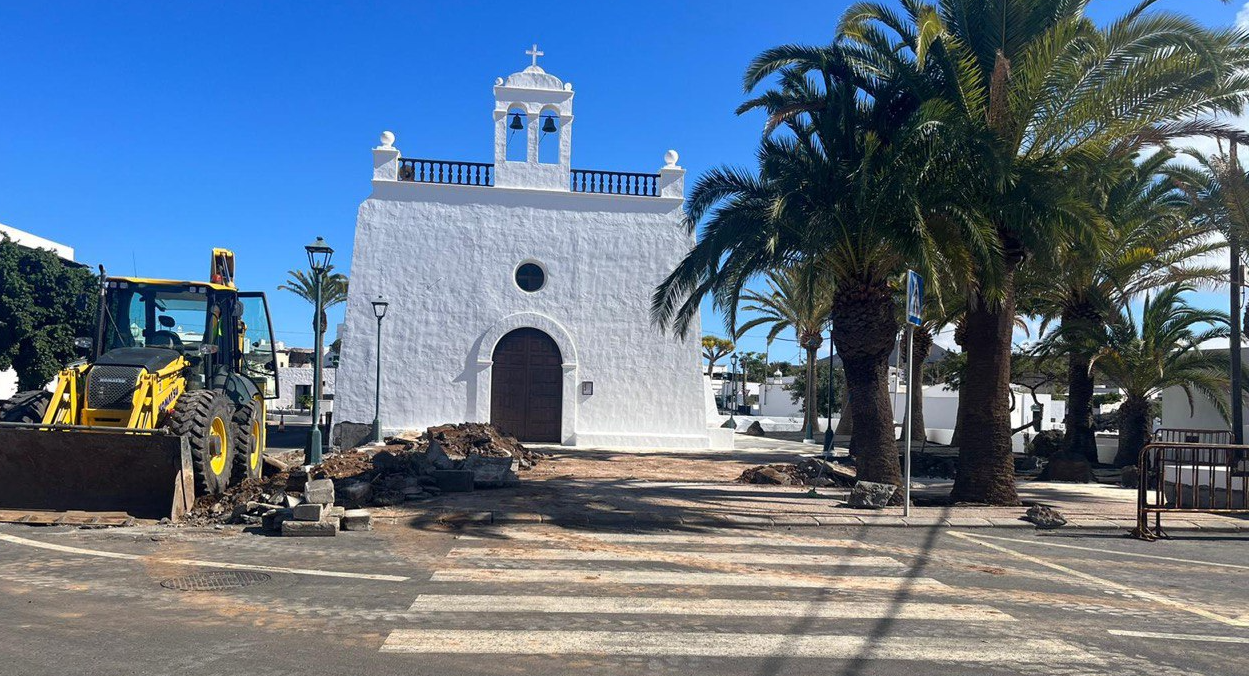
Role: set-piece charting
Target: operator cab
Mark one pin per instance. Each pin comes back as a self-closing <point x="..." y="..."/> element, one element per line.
<point x="150" y="323"/>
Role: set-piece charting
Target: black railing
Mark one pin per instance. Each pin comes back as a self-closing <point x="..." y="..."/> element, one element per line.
<point x="615" y="182"/>
<point x="446" y="171"/>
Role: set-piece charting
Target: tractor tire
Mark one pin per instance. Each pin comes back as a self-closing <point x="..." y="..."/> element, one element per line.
<point x="248" y="442"/>
<point x="204" y="418"/>
<point x="26" y="407"/>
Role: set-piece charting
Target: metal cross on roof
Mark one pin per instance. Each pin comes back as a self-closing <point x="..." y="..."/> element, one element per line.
<point x="535" y="53"/>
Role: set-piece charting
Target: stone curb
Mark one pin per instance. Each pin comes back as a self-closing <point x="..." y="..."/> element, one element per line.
<point x="729" y="520"/>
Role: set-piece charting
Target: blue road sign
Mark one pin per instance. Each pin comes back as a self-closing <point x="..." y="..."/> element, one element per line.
<point x="914" y="298"/>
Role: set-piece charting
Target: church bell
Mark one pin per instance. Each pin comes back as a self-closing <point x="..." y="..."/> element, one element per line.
<point x="548" y="126"/>
<point x="516" y="124"/>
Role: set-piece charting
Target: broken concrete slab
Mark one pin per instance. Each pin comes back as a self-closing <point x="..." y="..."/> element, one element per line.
<point x="489" y="472"/>
<point x="272" y="519"/>
<point x="292" y="528"/>
<point x="320" y="491"/>
<point x="871" y="495"/>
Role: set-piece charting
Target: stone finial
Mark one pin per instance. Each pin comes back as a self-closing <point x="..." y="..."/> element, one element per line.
<point x="670" y="159"/>
<point x="498" y="82"/>
<point x="388" y="140"/>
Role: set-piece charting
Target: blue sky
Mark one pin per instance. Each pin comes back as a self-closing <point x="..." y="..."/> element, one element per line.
<point x="144" y="134"/>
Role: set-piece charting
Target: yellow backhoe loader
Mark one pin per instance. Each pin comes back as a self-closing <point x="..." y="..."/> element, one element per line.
<point x="168" y="402"/>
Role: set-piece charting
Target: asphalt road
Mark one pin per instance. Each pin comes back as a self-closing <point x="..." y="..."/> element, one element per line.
<point x="548" y="600"/>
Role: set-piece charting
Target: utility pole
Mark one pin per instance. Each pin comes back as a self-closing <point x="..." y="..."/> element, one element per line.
<point x="1238" y="423"/>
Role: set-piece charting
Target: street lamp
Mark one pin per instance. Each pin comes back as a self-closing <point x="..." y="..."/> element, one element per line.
<point x="828" y="431"/>
<point x="733" y="393"/>
<point x="319" y="254"/>
<point x="379" y="311"/>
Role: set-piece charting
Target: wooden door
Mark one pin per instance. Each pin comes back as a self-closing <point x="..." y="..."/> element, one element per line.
<point x="526" y="386"/>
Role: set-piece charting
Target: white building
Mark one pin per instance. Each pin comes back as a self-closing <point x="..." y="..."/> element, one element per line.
<point x="520" y="290"/>
<point x="8" y="377"/>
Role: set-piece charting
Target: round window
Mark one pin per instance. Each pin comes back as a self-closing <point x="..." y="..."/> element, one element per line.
<point x="530" y="277"/>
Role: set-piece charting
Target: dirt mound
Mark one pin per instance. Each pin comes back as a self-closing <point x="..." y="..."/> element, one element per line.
<point x="808" y="472"/>
<point x="465" y="439"/>
<point x="373" y="476"/>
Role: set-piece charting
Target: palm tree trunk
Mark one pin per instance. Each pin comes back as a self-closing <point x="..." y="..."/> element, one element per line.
<point x="845" y="424"/>
<point x="915" y="387"/>
<point x="1079" y="439"/>
<point x="810" y="410"/>
<point x="986" y="468"/>
<point x="1133" y="430"/>
<point x="864" y="327"/>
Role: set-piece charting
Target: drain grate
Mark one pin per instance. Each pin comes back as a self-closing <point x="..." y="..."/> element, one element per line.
<point x="215" y="581"/>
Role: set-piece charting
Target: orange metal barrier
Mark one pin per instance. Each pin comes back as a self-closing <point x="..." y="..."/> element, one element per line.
<point x="1180" y="477"/>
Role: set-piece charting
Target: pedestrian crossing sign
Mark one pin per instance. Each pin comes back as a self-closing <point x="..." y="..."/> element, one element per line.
<point x="914" y="298"/>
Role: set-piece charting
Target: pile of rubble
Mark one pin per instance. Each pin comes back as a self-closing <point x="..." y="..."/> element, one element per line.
<point x="409" y="467"/>
<point x="808" y="472"/>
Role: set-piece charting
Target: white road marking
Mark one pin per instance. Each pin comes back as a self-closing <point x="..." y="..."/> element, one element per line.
<point x="759" y="579"/>
<point x="1179" y="637"/>
<point x="1150" y="596"/>
<point x="1044" y="542"/>
<point x="666" y="644"/>
<point x="672" y="538"/>
<point x="648" y="555"/>
<point x="621" y="605"/>
<point x="195" y="562"/>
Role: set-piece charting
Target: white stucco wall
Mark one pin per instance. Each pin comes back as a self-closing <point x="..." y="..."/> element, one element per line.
<point x="290" y="377"/>
<point x="445" y="257"/>
<point x="36" y="242"/>
<point x="8" y="383"/>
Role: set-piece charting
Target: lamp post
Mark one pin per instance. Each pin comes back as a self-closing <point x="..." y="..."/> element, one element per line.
<point x="733" y="393"/>
<point x="379" y="311"/>
<point x="828" y="431"/>
<point x="319" y="254"/>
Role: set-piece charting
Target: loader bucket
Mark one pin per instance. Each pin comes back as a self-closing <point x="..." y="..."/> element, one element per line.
<point x="144" y="473"/>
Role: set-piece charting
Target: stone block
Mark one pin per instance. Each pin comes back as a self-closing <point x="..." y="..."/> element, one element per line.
<point x="335" y="512"/>
<point x="272" y="519"/>
<point x="292" y="528"/>
<point x="319" y="491"/>
<point x="488" y="472"/>
<point x="309" y="511"/>
<point x="454" y="480"/>
<point x="871" y="495"/>
<point x="357" y="519"/>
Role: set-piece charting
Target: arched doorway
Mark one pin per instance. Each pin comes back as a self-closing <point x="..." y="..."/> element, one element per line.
<point x="526" y="386"/>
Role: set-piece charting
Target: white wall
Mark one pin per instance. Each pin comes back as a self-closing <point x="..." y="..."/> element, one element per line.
<point x="36" y="242"/>
<point x="445" y="256"/>
<point x="8" y="384"/>
<point x="302" y="375"/>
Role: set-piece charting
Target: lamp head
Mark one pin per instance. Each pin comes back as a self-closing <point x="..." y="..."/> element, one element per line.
<point x="319" y="255"/>
<point x="379" y="307"/>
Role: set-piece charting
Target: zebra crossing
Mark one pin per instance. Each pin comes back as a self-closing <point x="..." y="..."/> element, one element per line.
<point x="549" y="593"/>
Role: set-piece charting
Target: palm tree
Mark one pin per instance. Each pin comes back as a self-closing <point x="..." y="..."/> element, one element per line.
<point x="1144" y="239"/>
<point x="1218" y="189"/>
<point x="798" y="298"/>
<point x="714" y="349"/>
<point x="1041" y="97"/>
<point x="847" y="175"/>
<point x="1162" y="352"/>
<point x="303" y="284"/>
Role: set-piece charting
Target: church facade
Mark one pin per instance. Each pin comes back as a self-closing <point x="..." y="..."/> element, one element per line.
<point x="520" y="291"/>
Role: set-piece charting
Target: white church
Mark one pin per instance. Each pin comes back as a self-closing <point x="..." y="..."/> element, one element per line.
<point x="520" y="291"/>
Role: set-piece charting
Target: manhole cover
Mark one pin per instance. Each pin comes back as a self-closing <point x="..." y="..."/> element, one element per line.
<point x="215" y="581"/>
